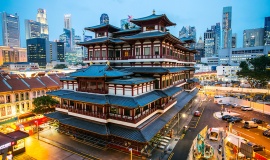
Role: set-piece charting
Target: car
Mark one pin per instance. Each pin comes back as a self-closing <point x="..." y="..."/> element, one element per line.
<point x="225" y="117"/>
<point x="234" y="105"/>
<point x="234" y="119"/>
<point x="246" y="108"/>
<point x="268" y="126"/>
<point x="197" y="113"/>
<point x="266" y="133"/>
<point x="256" y="147"/>
<point x="258" y="121"/>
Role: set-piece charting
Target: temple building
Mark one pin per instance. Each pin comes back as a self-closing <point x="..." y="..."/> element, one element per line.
<point x="137" y="82"/>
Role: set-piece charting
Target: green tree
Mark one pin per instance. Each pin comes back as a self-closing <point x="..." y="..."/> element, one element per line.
<point x="258" y="75"/>
<point x="60" y="66"/>
<point x="44" y="104"/>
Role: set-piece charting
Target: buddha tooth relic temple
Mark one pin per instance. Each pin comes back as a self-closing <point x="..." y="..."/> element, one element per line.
<point x="136" y="83"/>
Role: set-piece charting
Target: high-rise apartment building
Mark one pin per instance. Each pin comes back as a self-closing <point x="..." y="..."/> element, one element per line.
<point x="67" y="21"/>
<point x="212" y="40"/>
<point x="267" y="31"/>
<point x="60" y="51"/>
<point x="104" y="19"/>
<point x="253" y="37"/>
<point x="41" y="51"/>
<point x="227" y="27"/>
<point x="68" y="38"/>
<point x="32" y="29"/>
<point x="234" y="40"/>
<point x="42" y="18"/>
<point x="10" y="25"/>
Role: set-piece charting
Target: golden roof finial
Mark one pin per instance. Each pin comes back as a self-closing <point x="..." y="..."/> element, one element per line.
<point x="154" y="12"/>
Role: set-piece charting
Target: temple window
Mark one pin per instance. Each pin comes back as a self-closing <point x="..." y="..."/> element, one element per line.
<point x="162" y="29"/>
<point x="103" y="53"/>
<point x="126" y="53"/>
<point x="146" y="51"/>
<point x="145" y="108"/>
<point x="99" y="110"/>
<point x="91" y="54"/>
<point x="126" y="112"/>
<point x="111" y="53"/>
<point x="9" y="111"/>
<point x="137" y="51"/>
<point x="101" y="34"/>
<point x="150" y="28"/>
<point x="96" y="53"/>
<point x="113" y="110"/>
<point x="156" y="50"/>
<point x="138" y="111"/>
<point x="117" y="53"/>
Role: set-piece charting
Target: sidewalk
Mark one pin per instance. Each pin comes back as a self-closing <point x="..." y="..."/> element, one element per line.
<point x="178" y="136"/>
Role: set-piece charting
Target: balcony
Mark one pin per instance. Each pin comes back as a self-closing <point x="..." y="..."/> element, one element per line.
<point x="166" y="105"/>
<point x="87" y="113"/>
<point x="180" y="82"/>
<point x="121" y="117"/>
<point x="100" y="91"/>
<point x="137" y="57"/>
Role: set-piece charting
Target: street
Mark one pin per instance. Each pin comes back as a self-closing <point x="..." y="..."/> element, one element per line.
<point x="254" y="135"/>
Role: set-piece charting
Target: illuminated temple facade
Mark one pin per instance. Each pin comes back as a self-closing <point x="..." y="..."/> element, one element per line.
<point x="136" y="83"/>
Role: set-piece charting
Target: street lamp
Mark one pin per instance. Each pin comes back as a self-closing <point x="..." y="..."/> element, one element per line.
<point x="130" y="149"/>
<point x="37" y="128"/>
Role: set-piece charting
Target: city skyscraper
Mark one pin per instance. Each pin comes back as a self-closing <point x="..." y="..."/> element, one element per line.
<point x="104" y="19"/>
<point x="253" y="37"/>
<point x="67" y="21"/>
<point x="32" y="29"/>
<point x="234" y="40"/>
<point x="10" y="29"/>
<point x="212" y="40"/>
<point x="200" y="50"/>
<point x="267" y="31"/>
<point x="227" y="27"/>
<point x="60" y="51"/>
<point x="188" y="32"/>
<point x="42" y="19"/>
<point x="41" y="51"/>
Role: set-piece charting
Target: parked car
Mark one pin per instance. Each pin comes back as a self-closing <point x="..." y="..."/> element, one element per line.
<point x="268" y="126"/>
<point x="197" y="113"/>
<point x="258" y="121"/>
<point x="256" y="147"/>
<point x="234" y="105"/>
<point x="234" y="119"/>
<point x="225" y="117"/>
<point x="266" y="133"/>
<point x="246" y="108"/>
<point x="250" y="124"/>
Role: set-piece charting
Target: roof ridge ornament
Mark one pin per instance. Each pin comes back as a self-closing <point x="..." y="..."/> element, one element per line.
<point x="154" y="12"/>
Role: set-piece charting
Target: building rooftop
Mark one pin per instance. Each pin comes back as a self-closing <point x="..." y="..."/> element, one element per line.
<point x="99" y="71"/>
<point x="163" y="17"/>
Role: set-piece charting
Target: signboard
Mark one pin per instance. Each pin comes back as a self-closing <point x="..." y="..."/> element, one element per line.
<point x="19" y="145"/>
<point x="5" y="145"/>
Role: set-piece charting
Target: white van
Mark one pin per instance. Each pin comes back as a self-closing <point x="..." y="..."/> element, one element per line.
<point x="250" y="124"/>
<point x="213" y="133"/>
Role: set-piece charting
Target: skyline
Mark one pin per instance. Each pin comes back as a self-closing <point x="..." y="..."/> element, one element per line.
<point x="203" y="15"/>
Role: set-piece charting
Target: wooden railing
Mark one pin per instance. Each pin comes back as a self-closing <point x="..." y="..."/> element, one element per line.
<point x="140" y="57"/>
<point x="93" y="90"/>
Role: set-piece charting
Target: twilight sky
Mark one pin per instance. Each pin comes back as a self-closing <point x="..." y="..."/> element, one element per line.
<point x="246" y="14"/>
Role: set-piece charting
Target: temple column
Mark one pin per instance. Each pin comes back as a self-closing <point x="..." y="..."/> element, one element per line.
<point x="100" y="54"/>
